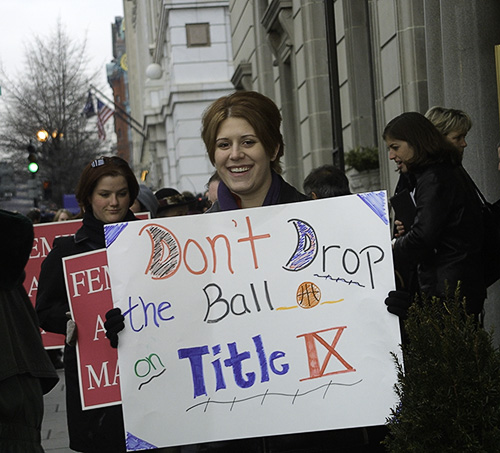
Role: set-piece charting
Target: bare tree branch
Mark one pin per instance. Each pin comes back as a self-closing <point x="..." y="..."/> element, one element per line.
<point x="50" y="94"/>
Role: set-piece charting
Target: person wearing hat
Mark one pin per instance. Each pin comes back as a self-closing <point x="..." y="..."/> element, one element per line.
<point x="145" y="201"/>
<point x="171" y="203"/>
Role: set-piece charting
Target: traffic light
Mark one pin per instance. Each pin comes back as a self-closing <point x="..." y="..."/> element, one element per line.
<point x="47" y="190"/>
<point x="32" y="159"/>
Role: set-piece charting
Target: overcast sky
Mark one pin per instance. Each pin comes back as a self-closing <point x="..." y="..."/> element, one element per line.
<point x="90" y="19"/>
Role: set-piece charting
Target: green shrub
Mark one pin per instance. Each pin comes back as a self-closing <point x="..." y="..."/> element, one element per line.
<point x="449" y="386"/>
<point x="362" y="158"/>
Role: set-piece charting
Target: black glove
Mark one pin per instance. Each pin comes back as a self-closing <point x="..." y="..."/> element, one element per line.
<point x="114" y="323"/>
<point x="398" y="303"/>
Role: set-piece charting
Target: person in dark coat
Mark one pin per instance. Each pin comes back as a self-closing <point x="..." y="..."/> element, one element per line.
<point x="26" y="372"/>
<point x="106" y="190"/>
<point x="445" y="240"/>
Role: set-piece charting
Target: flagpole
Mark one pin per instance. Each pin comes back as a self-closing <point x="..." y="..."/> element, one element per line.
<point x="119" y="115"/>
<point x="129" y="123"/>
<point x="117" y="106"/>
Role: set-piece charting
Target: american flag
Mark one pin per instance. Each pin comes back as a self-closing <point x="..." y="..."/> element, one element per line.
<point x="104" y="113"/>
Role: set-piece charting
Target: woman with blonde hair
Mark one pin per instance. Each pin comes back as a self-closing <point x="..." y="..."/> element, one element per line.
<point x="62" y="215"/>
<point x="454" y="124"/>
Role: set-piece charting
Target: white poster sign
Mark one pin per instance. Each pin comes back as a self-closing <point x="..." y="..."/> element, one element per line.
<point x="255" y="322"/>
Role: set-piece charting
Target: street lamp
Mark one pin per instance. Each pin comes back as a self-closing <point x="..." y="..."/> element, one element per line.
<point x="42" y="135"/>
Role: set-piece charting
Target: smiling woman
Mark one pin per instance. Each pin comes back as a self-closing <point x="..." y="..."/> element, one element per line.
<point x="242" y="162"/>
<point x="242" y="135"/>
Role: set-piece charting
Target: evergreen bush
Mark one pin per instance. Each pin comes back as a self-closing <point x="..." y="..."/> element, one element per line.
<point x="362" y="158"/>
<point x="449" y="384"/>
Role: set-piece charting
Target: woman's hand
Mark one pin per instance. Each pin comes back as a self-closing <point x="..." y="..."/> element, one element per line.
<point x="400" y="228"/>
<point x="398" y="303"/>
<point x="114" y="323"/>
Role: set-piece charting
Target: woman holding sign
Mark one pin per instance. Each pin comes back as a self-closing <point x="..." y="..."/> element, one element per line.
<point x="106" y="190"/>
<point x="242" y="135"/>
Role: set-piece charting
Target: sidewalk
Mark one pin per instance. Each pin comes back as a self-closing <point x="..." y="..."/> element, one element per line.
<point x="54" y="428"/>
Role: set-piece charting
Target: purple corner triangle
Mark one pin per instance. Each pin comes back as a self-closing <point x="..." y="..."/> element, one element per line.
<point x="111" y="232"/>
<point x="133" y="443"/>
<point x="377" y="203"/>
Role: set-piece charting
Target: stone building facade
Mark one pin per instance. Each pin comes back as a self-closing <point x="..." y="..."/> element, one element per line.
<point x="179" y="60"/>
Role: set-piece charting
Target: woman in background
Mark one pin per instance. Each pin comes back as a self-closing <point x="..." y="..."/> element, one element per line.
<point x="443" y="245"/>
<point x="454" y="124"/>
<point x="62" y="215"/>
<point x="106" y="190"/>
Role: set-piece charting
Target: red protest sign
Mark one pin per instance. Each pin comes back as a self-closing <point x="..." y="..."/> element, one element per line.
<point x="89" y="295"/>
<point x="45" y="233"/>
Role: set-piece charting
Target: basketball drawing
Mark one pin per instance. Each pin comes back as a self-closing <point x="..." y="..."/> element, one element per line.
<point x="308" y="295"/>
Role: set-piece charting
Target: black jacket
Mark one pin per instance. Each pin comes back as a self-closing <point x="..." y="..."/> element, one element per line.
<point x="445" y="240"/>
<point x="95" y="429"/>
<point x="22" y="348"/>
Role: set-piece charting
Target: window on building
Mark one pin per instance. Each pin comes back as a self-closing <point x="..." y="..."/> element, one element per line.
<point x="198" y="35"/>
